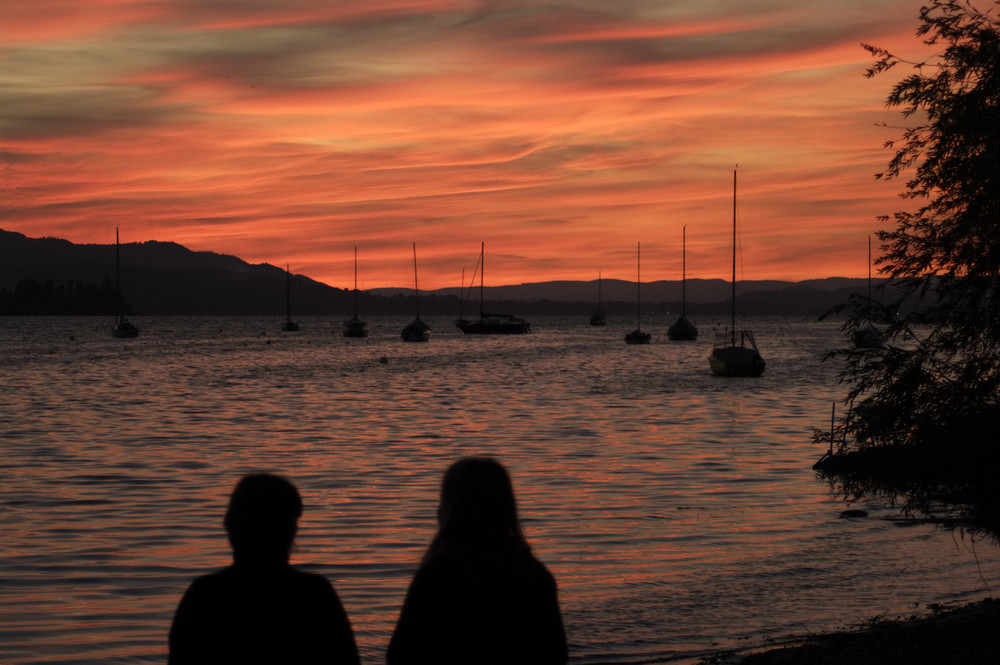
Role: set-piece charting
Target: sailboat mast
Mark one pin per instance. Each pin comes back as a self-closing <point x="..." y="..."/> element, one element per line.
<point x="288" y="294"/>
<point x="482" y="272"/>
<point x="638" y="299"/>
<point x="869" y="273"/>
<point x="355" y="282"/>
<point x="732" y="314"/>
<point x="416" y="291"/>
<point x="118" y="280"/>
<point x="684" y="271"/>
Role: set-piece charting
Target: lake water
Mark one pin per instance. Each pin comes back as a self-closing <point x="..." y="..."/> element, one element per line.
<point x="677" y="510"/>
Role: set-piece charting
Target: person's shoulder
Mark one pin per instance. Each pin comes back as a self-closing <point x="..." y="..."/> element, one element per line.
<point x="215" y="579"/>
<point x="308" y="579"/>
<point x="444" y="570"/>
<point x="537" y="570"/>
<point x="311" y="584"/>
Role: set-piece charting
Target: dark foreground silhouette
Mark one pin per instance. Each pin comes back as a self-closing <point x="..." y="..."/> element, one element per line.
<point x="479" y="597"/>
<point x="965" y="635"/>
<point x="260" y="609"/>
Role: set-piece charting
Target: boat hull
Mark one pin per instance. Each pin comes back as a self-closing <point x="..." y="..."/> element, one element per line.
<point x="494" y="326"/>
<point x="868" y="337"/>
<point x="682" y="331"/>
<point x="638" y="337"/>
<point x="124" y="330"/>
<point x="355" y="328"/>
<point x="736" y="361"/>
<point x="418" y="331"/>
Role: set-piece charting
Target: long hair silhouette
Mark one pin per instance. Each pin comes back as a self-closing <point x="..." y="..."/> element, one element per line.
<point x="479" y="596"/>
<point x="477" y="508"/>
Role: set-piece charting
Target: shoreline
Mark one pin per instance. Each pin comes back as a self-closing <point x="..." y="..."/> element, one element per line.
<point x="968" y="634"/>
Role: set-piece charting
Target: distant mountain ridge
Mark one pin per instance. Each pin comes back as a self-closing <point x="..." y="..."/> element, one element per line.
<point x="167" y="278"/>
<point x="697" y="290"/>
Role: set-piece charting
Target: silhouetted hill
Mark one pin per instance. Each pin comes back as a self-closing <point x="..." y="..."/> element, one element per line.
<point x="698" y="290"/>
<point x="167" y="278"/>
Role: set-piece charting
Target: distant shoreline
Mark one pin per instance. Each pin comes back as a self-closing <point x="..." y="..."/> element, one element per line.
<point x="53" y="276"/>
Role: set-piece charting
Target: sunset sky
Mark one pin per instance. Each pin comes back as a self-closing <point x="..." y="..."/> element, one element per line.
<point x="560" y="133"/>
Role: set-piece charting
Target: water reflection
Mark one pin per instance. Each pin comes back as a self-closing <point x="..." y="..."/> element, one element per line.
<point x="677" y="510"/>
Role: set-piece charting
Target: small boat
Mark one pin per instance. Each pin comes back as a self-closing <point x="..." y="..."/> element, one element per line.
<point x="637" y="336"/>
<point x="491" y="324"/>
<point x="735" y="352"/>
<point x="123" y="329"/>
<point x="598" y="317"/>
<point x="417" y="331"/>
<point x="288" y="325"/>
<point x="683" y="330"/>
<point x="868" y="336"/>
<point x="355" y="327"/>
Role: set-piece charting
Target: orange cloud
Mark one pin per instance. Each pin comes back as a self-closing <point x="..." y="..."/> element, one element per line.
<point x="561" y="135"/>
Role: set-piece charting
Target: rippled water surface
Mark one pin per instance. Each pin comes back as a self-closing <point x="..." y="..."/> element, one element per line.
<point x="677" y="510"/>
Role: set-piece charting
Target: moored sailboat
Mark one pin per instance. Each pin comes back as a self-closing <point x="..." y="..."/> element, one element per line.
<point x="491" y="324"/>
<point x="355" y="327"/>
<point x="682" y="329"/>
<point x="123" y="329"/>
<point x="288" y="325"/>
<point x="868" y="336"/>
<point x="418" y="330"/>
<point x="735" y="352"/>
<point x="598" y="317"/>
<point x="637" y="336"/>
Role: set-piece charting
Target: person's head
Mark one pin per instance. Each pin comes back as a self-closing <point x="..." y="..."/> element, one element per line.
<point x="262" y="516"/>
<point x="477" y="503"/>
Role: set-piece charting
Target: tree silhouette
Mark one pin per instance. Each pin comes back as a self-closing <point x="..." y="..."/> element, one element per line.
<point x="922" y="409"/>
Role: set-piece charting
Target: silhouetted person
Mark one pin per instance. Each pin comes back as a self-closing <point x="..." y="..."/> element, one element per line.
<point x="260" y="609"/>
<point x="479" y="597"/>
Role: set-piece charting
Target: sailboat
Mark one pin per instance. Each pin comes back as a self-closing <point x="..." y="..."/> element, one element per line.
<point x="735" y="352"/>
<point x="491" y="324"/>
<point x="683" y="330"/>
<point x="355" y="327"/>
<point x="868" y="336"/>
<point x="417" y="331"/>
<point x="598" y="318"/>
<point x="123" y="328"/>
<point x="288" y="325"/>
<point x="637" y="336"/>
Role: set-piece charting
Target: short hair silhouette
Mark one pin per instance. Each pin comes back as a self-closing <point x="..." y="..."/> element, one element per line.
<point x="262" y="517"/>
<point x="260" y="610"/>
<point x="479" y="597"/>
